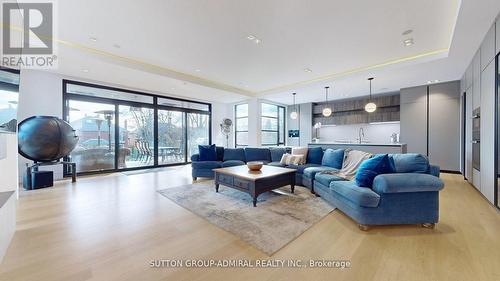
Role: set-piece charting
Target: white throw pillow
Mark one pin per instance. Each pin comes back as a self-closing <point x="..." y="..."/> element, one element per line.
<point x="296" y="160"/>
<point x="284" y="159"/>
<point x="300" y="151"/>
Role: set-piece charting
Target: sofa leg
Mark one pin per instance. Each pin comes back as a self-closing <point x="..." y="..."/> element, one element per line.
<point x="363" y="227"/>
<point x="195" y="178"/>
<point x="429" y="225"/>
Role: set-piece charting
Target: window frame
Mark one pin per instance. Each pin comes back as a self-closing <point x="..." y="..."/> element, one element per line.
<point x="236" y="145"/>
<point x="279" y="142"/>
<point x="117" y="102"/>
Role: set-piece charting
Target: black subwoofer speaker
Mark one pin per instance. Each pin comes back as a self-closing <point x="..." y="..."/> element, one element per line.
<point x="38" y="179"/>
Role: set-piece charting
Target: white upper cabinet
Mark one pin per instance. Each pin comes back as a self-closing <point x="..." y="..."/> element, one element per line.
<point x="488" y="49"/>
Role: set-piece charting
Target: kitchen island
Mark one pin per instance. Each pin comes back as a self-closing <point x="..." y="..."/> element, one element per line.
<point x="375" y="148"/>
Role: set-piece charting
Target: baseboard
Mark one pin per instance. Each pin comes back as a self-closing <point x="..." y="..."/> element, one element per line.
<point x="451" y="172"/>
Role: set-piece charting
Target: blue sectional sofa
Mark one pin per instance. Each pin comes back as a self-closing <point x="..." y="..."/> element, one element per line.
<point x="408" y="196"/>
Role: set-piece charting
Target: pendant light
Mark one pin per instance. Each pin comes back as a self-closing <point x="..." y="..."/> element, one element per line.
<point x="370" y="106"/>
<point x="327" y="111"/>
<point x="294" y="113"/>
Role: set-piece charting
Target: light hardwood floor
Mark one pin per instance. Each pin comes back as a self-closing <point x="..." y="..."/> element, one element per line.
<point x="110" y="227"/>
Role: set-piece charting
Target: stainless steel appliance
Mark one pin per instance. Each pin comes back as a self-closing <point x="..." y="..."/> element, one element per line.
<point x="476" y="138"/>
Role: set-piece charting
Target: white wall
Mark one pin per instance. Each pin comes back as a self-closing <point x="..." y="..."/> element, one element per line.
<point x="40" y="93"/>
<point x="219" y="112"/>
<point x="8" y="182"/>
<point x="375" y="133"/>
<point x="8" y="171"/>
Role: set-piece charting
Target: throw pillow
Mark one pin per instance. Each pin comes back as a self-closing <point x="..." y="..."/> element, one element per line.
<point x="284" y="159"/>
<point x="333" y="158"/>
<point x="371" y="168"/>
<point x="296" y="160"/>
<point x="300" y="151"/>
<point x="314" y="155"/>
<point x="207" y="152"/>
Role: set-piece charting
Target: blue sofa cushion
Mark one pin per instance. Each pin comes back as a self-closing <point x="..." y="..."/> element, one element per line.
<point x="234" y="154"/>
<point x="361" y="196"/>
<point x="333" y="158"/>
<point x="312" y="171"/>
<point x="326" y="179"/>
<point x="300" y="168"/>
<point x="231" y="163"/>
<point x="220" y="153"/>
<point x="276" y="164"/>
<point x="195" y="157"/>
<point x="371" y="168"/>
<point x="277" y="153"/>
<point x="314" y="155"/>
<point x="207" y="152"/>
<point x="410" y="163"/>
<point x="407" y="182"/>
<point x="206" y="165"/>
<point x="258" y="154"/>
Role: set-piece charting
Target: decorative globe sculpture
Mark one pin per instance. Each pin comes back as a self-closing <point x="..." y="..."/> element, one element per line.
<point x="46" y="138"/>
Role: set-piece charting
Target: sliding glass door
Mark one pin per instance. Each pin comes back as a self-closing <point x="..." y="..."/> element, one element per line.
<point x="145" y="130"/>
<point x="171" y="137"/>
<point x="94" y="124"/>
<point x="136" y="133"/>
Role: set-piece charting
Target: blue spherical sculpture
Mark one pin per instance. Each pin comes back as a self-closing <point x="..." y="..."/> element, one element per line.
<point x="45" y="138"/>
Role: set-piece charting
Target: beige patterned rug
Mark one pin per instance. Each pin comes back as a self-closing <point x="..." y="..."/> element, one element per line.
<point x="278" y="219"/>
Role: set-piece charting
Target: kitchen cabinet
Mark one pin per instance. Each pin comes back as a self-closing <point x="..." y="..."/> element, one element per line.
<point x="348" y="112"/>
<point x="414" y="119"/>
<point x="498" y="35"/>
<point x="488" y="173"/>
<point x="444" y="125"/>
<point x="488" y="50"/>
<point x="430" y="123"/>
<point x="476" y="82"/>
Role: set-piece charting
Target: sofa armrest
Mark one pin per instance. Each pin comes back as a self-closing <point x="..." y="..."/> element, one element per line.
<point x="434" y="170"/>
<point x="195" y="157"/>
<point x="406" y="182"/>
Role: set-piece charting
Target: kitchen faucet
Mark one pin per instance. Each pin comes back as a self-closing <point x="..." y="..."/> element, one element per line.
<point x="361" y="134"/>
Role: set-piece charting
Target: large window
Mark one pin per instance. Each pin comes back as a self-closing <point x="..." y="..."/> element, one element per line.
<point x="123" y="130"/>
<point x="272" y="125"/>
<point x="241" y="126"/>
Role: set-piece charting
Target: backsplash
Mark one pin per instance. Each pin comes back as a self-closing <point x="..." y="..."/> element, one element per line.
<point x="375" y="133"/>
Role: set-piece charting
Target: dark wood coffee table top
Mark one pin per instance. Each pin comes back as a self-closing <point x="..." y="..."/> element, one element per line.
<point x="244" y="173"/>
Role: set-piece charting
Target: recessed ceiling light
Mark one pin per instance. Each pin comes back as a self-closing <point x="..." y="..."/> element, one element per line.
<point x="308" y="70"/>
<point x="408" y="42"/>
<point x="93" y="39"/>
<point x="197" y="70"/>
<point x="254" y="39"/>
<point x="85" y="70"/>
<point x="432" y="81"/>
<point x="407" y="32"/>
<point x="172" y="88"/>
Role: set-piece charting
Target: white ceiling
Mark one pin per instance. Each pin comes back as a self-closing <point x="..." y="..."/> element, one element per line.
<point x="199" y="48"/>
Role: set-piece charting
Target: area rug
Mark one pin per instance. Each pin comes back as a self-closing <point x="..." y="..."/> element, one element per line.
<point x="278" y="219"/>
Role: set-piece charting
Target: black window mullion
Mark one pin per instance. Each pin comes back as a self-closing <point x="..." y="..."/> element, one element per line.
<point x="155" y="131"/>
<point x="117" y="136"/>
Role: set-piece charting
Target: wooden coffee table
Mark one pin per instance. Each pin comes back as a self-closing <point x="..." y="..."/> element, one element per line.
<point x="254" y="182"/>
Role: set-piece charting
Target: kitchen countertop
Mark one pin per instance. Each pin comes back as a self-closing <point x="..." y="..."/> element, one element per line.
<point x="358" y="144"/>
